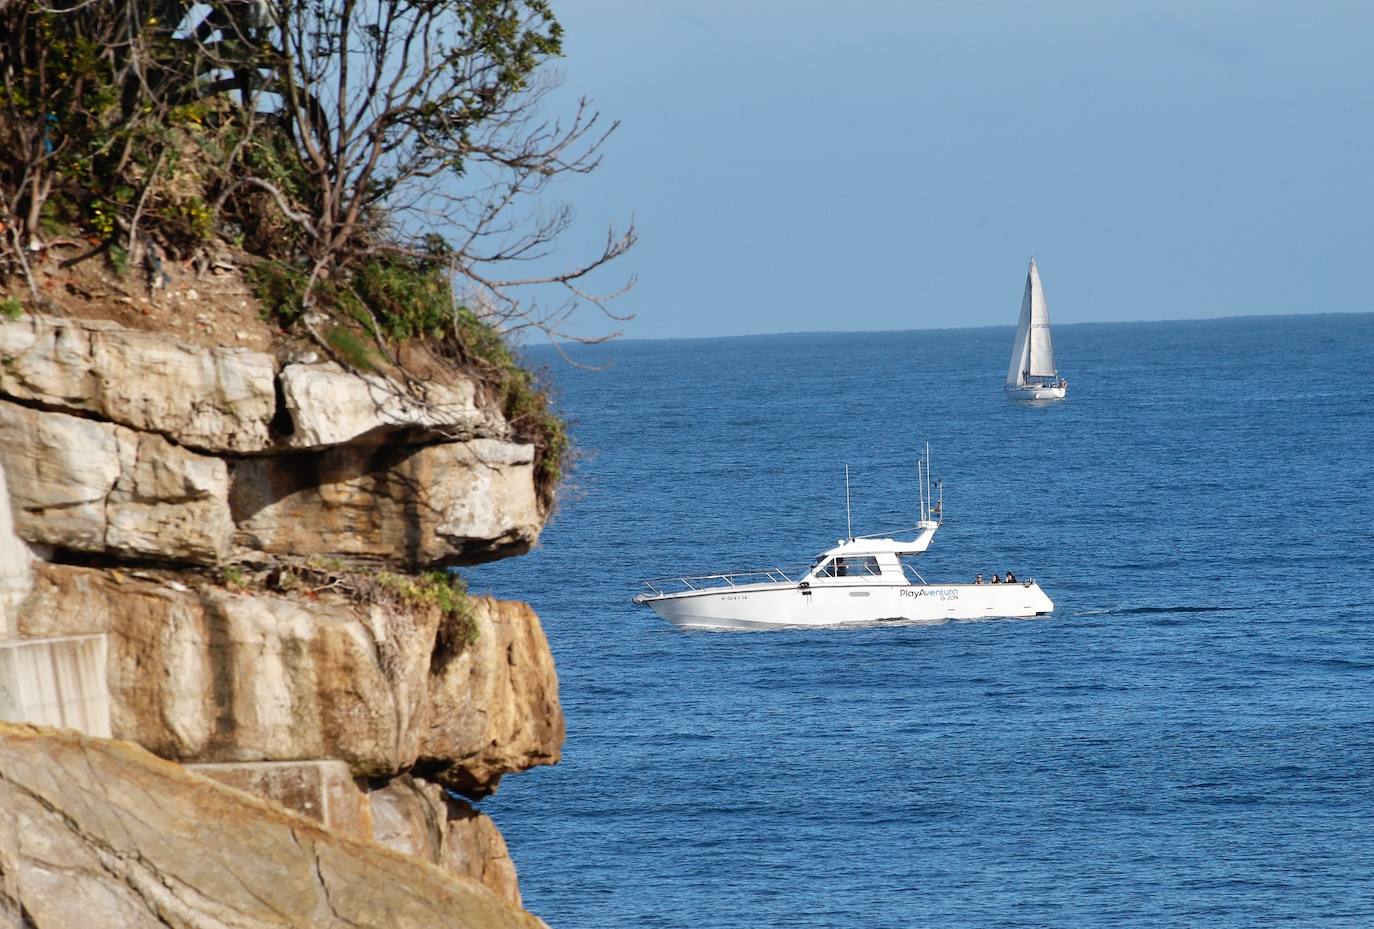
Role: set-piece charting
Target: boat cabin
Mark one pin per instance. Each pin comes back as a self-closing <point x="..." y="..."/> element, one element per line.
<point x="866" y="560"/>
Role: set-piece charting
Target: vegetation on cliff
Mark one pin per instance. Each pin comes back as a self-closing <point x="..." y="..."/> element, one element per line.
<point x="442" y="591"/>
<point x="375" y="167"/>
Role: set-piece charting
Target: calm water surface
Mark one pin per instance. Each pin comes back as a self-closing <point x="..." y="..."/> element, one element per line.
<point x="1187" y="741"/>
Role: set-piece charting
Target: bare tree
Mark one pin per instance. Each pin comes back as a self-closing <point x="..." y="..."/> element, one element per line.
<point x="418" y="119"/>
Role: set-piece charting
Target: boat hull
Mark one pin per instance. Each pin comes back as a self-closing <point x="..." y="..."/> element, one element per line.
<point x="1036" y="392"/>
<point x="791" y="606"/>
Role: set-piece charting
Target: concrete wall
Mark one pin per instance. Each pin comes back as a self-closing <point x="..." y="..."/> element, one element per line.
<point x="56" y="682"/>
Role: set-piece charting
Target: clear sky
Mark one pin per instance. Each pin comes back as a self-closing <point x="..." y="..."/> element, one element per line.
<point x="809" y="165"/>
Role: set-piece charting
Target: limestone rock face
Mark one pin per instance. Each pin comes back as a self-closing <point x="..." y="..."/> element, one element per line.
<point x="325" y="791"/>
<point x="61" y="471"/>
<point x="247" y="678"/>
<point x="406" y="814"/>
<point x="494" y="707"/>
<point x="419" y="818"/>
<point x="450" y="503"/>
<point x="96" y="487"/>
<point x="104" y="433"/>
<point x="220" y="399"/>
<point x="330" y="406"/>
<point x="152" y="494"/>
<point x="102" y="833"/>
<point x="16" y="564"/>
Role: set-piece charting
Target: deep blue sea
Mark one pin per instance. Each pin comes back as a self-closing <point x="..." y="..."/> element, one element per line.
<point x="1188" y="740"/>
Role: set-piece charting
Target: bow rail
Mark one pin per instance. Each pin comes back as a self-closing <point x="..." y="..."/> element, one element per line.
<point x="682" y="583"/>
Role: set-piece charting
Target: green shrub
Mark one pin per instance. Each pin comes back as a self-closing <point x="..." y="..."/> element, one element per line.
<point x="438" y="588"/>
<point x="279" y="287"/>
<point x="398" y="298"/>
<point x="11" y="308"/>
<point x="409" y="298"/>
<point x="352" y="349"/>
<point x="445" y="590"/>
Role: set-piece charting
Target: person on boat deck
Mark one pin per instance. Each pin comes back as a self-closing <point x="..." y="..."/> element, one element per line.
<point x="1011" y="578"/>
<point x="978" y="579"/>
<point x="995" y="578"/>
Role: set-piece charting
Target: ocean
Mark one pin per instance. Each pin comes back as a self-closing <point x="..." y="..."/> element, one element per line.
<point x="1188" y="740"/>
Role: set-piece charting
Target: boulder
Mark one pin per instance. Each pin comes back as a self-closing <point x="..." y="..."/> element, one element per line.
<point x="331" y="406"/>
<point x="218" y="399"/>
<point x="324" y="791"/>
<point x="61" y="471"/>
<point x="426" y="506"/>
<point x="494" y="706"/>
<point x="95" y="487"/>
<point x="405" y="814"/>
<point x="101" y="832"/>
<point x="423" y="820"/>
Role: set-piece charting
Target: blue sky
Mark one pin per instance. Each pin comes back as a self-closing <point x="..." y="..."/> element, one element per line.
<point x="811" y="165"/>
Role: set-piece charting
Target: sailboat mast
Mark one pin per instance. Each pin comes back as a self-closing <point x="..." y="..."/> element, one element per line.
<point x="1030" y="330"/>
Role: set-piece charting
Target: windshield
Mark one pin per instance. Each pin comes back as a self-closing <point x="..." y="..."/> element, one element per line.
<point x="851" y="566"/>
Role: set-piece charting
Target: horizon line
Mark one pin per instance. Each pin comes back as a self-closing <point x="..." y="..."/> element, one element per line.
<point x="788" y="332"/>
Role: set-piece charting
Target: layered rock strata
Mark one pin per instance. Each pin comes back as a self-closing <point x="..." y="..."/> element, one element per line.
<point x="266" y="677"/>
<point x="148" y="487"/>
<point x="125" y="444"/>
<point x="102" y="833"/>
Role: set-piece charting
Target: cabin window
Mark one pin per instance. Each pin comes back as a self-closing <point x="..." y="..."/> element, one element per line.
<point x="852" y="566"/>
<point x="865" y="566"/>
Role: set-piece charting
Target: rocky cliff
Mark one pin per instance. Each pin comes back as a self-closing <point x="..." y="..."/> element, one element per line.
<point x="207" y="552"/>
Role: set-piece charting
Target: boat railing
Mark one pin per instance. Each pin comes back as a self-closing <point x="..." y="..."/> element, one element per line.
<point x="687" y="582"/>
<point x="912" y="574"/>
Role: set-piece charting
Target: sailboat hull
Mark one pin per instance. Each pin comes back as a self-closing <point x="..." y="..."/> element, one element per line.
<point x="1036" y="392"/>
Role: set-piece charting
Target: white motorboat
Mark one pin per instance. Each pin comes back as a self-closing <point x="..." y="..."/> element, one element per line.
<point x="1032" y="374"/>
<point x="862" y="580"/>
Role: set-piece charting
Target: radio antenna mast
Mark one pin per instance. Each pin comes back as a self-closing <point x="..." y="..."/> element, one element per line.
<point x="929" y="500"/>
<point x="920" y="491"/>
<point x="848" y="514"/>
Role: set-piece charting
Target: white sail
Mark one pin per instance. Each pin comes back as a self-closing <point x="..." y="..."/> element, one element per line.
<point x="1020" y="349"/>
<point x="1041" y="347"/>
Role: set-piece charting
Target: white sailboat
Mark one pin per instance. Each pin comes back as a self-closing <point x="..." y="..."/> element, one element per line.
<point x="1032" y="374"/>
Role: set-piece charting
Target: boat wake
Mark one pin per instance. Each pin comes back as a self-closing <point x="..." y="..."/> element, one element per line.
<point x="1155" y="610"/>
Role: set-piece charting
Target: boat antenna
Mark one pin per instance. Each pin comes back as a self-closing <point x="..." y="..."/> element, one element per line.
<point x="848" y="515"/>
<point x="928" y="497"/>
<point x="920" y="491"/>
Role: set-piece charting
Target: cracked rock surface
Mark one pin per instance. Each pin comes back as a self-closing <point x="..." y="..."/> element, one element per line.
<point x="101" y="833"/>
<point x="160" y="502"/>
<point x="141" y="446"/>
